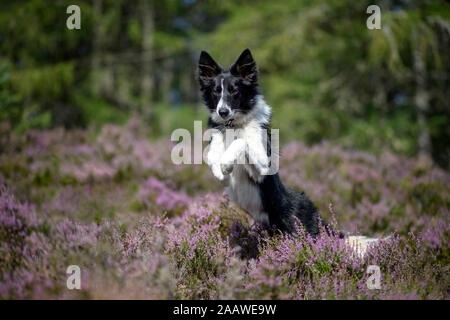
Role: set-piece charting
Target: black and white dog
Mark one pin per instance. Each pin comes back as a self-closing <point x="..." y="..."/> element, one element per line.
<point x="234" y="102"/>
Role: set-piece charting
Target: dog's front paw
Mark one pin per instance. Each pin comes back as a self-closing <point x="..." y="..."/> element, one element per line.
<point x="262" y="169"/>
<point x="226" y="168"/>
<point x="217" y="172"/>
<point x="262" y="164"/>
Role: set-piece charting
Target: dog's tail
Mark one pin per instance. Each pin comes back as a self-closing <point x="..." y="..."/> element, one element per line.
<point x="360" y="243"/>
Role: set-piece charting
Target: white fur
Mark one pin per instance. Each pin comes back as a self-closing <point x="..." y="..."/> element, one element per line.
<point x="242" y="190"/>
<point x="248" y="144"/>
<point x="214" y="156"/>
<point x="222" y="104"/>
<point x="256" y="137"/>
<point x="360" y="244"/>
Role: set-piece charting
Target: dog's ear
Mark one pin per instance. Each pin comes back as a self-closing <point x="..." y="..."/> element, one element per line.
<point x="245" y="67"/>
<point x="207" y="68"/>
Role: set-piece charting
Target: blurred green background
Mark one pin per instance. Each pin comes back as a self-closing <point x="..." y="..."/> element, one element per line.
<point x="325" y="74"/>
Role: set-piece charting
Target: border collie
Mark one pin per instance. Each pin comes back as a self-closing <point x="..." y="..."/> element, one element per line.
<point x="234" y="101"/>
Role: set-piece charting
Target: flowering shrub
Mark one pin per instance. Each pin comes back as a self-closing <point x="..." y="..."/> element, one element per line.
<point x="141" y="227"/>
<point x="154" y="194"/>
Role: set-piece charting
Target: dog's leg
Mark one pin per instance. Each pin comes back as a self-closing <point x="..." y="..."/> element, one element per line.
<point x="257" y="152"/>
<point x="216" y="150"/>
<point x="251" y="145"/>
<point x="236" y="151"/>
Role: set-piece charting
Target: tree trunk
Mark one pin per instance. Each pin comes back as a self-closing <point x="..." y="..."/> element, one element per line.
<point x="167" y="79"/>
<point x="421" y="97"/>
<point x="96" y="48"/>
<point x="147" y="83"/>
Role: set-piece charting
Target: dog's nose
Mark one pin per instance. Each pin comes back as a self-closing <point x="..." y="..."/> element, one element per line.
<point x="224" y="112"/>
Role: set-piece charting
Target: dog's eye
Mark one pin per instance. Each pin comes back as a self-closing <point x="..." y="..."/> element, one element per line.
<point x="233" y="91"/>
<point x="217" y="91"/>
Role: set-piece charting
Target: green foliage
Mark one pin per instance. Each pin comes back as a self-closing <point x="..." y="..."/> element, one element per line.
<point x="99" y="112"/>
<point x="326" y="75"/>
<point x="374" y="132"/>
<point x="9" y="101"/>
<point x="45" y="83"/>
<point x="165" y="118"/>
<point x="329" y="77"/>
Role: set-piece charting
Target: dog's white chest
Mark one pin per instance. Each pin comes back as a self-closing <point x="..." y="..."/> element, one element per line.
<point x="245" y="193"/>
<point x="245" y="154"/>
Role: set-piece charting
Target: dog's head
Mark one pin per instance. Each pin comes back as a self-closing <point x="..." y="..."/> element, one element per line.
<point x="228" y="94"/>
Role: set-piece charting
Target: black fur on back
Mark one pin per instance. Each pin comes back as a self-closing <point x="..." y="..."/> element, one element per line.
<point x="286" y="206"/>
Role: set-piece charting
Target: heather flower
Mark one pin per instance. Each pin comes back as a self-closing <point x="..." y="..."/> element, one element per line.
<point x="89" y="170"/>
<point x="141" y="227"/>
<point x="156" y="195"/>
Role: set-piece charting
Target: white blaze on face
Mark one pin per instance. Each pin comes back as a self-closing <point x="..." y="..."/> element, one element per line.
<point x="222" y="103"/>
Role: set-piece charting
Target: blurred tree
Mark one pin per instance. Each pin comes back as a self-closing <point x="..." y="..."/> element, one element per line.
<point x="329" y="77"/>
<point x="326" y="75"/>
<point x="96" y="44"/>
<point x="9" y="102"/>
<point x="147" y="16"/>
